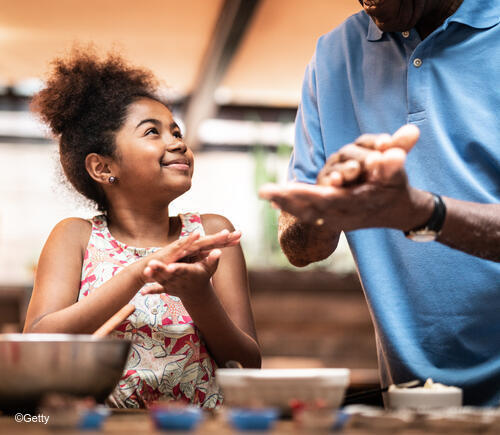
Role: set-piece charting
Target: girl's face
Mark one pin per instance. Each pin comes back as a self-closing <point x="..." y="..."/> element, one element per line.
<point x="152" y="158"/>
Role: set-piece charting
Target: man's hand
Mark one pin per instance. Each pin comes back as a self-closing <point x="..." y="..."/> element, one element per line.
<point x="350" y="208"/>
<point x="376" y="158"/>
<point x="364" y="185"/>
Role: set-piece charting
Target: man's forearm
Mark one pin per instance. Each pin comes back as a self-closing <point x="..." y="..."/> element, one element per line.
<point x="305" y="243"/>
<point x="472" y="228"/>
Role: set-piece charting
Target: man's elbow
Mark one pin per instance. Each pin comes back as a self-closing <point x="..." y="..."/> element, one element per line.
<point x="298" y="262"/>
<point x="305" y="260"/>
<point x="300" y="243"/>
<point x="296" y="257"/>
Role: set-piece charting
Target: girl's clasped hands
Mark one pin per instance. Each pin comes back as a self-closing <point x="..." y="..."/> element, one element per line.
<point x="187" y="265"/>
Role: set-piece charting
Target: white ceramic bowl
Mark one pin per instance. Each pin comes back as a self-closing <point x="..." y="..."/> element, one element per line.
<point x="424" y="398"/>
<point x="276" y="387"/>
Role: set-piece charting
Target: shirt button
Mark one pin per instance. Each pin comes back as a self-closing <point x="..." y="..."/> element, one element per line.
<point x="154" y="311"/>
<point x="417" y="62"/>
<point x="405" y="34"/>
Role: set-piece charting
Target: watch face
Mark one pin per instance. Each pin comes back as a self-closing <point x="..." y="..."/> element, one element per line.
<point x="422" y="236"/>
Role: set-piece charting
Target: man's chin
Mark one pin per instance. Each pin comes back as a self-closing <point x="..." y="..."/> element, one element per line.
<point x="391" y="26"/>
<point x="391" y="19"/>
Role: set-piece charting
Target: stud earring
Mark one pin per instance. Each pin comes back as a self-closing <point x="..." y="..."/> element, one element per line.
<point x="112" y="180"/>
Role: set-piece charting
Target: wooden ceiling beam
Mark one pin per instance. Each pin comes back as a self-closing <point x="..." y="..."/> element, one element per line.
<point x="231" y="25"/>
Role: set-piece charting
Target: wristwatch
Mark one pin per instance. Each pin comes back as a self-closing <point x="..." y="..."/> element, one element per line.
<point x="431" y="229"/>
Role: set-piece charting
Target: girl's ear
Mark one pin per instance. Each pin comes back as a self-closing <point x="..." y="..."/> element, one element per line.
<point x="99" y="167"/>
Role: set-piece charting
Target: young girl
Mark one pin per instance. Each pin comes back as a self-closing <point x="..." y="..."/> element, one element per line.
<point x="121" y="148"/>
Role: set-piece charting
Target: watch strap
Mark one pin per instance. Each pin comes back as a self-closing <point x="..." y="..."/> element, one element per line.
<point x="436" y="221"/>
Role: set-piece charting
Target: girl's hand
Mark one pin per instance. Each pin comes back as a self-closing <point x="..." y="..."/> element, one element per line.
<point x="202" y="247"/>
<point x="193" y="248"/>
<point x="184" y="280"/>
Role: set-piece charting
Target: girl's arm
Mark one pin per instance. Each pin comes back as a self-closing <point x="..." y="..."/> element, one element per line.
<point x="221" y="309"/>
<point x="233" y="337"/>
<point x="54" y="305"/>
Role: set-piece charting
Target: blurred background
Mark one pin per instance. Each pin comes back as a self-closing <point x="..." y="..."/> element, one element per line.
<point x="233" y="71"/>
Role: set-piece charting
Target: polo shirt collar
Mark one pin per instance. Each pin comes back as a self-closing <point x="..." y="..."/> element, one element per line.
<point x="374" y="33"/>
<point x="479" y="14"/>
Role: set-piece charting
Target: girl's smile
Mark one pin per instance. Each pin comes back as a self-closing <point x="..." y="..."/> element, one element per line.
<point x="153" y="160"/>
<point x="177" y="164"/>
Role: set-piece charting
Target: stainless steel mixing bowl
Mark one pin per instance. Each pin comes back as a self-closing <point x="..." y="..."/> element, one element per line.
<point x="32" y="365"/>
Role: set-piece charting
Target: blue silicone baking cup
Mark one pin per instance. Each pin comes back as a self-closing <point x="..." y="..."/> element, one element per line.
<point x="93" y="419"/>
<point x="177" y="418"/>
<point x="253" y="419"/>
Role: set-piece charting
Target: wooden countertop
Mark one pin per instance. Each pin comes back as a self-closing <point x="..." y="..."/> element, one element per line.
<point x="139" y="422"/>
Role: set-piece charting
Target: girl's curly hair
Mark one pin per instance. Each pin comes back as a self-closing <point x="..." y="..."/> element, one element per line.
<point x="84" y="102"/>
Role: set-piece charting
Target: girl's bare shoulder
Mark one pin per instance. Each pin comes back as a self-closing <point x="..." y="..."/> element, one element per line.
<point x="72" y="231"/>
<point x="213" y="223"/>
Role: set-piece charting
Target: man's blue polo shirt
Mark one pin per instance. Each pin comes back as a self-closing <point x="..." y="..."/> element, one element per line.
<point x="436" y="311"/>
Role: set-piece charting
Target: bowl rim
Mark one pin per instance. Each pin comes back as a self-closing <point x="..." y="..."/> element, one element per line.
<point x="56" y="338"/>
<point x="421" y="392"/>
<point x="308" y="374"/>
<point x="305" y="372"/>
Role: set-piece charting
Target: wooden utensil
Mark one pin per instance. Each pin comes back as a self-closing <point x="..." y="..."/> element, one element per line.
<point x="114" y="321"/>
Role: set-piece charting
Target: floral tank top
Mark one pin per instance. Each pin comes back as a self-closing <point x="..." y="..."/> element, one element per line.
<point x="168" y="359"/>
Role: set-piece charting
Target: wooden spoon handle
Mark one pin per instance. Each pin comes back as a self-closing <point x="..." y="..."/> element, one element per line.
<point x="114" y="321"/>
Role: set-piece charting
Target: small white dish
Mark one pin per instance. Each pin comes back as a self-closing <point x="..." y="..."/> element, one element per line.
<point x="424" y="398"/>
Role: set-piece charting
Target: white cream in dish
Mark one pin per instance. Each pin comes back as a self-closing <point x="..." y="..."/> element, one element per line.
<point x="430" y="395"/>
<point x="429" y="385"/>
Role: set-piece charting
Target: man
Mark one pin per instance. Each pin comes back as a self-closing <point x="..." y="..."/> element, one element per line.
<point x="435" y="65"/>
